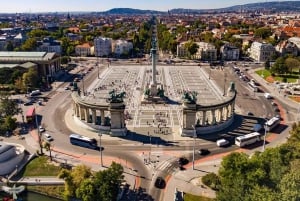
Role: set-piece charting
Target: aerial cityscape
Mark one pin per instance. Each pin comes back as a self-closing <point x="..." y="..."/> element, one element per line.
<point x="150" y="101"/>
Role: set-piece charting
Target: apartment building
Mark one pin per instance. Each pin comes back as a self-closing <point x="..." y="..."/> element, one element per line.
<point x="206" y="51"/>
<point x="261" y="52"/>
<point x="286" y="47"/>
<point x="230" y="52"/>
<point x="48" y="44"/>
<point x="103" y="46"/>
<point x="84" y="50"/>
<point x="120" y="47"/>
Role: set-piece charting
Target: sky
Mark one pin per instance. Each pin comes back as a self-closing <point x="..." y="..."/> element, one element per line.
<point x="32" y="6"/>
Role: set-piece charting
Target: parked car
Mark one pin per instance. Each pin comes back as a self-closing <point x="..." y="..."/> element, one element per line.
<point x="48" y="137"/>
<point x="42" y="129"/>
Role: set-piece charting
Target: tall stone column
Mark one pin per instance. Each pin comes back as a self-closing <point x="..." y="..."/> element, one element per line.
<point x="189" y="119"/>
<point x="102" y="117"/>
<point x="86" y="114"/>
<point x="204" y="118"/>
<point x="117" y="119"/>
<point x="93" y="116"/>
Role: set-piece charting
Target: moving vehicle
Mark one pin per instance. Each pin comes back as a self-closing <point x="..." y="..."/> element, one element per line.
<point x="268" y="96"/>
<point x="182" y="161"/>
<point x="222" y="142"/>
<point x="253" y="86"/>
<point x="247" y="139"/>
<point x="203" y="152"/>
<point x="272" y="123"/>
<point x="160" y="183"/>
<point x="83" y="141"/>
<point x="30" y="115"/>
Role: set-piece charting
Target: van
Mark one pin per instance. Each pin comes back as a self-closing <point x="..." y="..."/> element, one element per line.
<point x="222" y="142"/>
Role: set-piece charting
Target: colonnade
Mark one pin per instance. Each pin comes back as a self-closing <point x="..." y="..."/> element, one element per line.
<point x="207" y="118"/>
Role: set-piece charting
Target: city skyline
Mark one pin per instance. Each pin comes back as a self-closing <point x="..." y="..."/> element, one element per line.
<point x="31" y="6"/>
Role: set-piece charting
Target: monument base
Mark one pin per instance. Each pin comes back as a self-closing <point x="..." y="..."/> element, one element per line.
<point x="118" y="132"/>
<point x="153" y="99"/>
<point x="187" y="132"/>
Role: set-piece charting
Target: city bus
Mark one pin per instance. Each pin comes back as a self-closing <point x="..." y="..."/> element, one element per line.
<point x="83" y="141"/>
<point x="272" y="123"/>
<point x="247" y="139"/>
<point x="30" y="115"/>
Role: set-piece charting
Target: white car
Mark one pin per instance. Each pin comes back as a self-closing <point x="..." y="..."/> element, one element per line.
<point x="48" y="137"/>
<point x="222" y="142"/>
<point x="42" y="129"/>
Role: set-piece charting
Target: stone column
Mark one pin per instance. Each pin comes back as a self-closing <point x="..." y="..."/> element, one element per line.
<point x="214" y="117"/>
<point x="86" y="115"/>
<point x="94" y="116"/>
<point x="102" y="117"/>
<point x="189" y="119"/>
<point x="221" y="114"/>
<point x="204" y="119"/>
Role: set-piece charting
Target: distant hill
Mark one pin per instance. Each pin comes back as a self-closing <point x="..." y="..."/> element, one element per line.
<point x="275" y="6"/>
<point x="130" y="11"/>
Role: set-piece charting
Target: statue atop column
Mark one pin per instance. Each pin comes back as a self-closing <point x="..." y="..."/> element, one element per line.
<point x="116" y="97"/>
<point x="190" y="97"/>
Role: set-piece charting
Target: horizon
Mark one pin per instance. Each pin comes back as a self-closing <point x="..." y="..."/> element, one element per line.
<point x="46" y="6"/>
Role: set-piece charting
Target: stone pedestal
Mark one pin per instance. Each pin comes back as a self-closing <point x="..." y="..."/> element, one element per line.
<point x="117" y="120"/>
<point x="189" y="119"/>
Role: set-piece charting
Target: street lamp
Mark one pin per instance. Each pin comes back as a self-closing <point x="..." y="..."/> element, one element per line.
<point x="225" y="76"/>
<point x="101" y="158"/>
<point x="39" y="133"/>
<point x="82" y="83"/>
<point x="264" y="144"/>
<point x="194" y="136"/>
<point x="98" y="67"/>
<point x="150" y="147"/>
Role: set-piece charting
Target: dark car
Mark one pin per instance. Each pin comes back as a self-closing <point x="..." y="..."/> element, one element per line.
<point x="160" y="183"/>
<point x="203" y="152"/>
<point x="182" y="161"/>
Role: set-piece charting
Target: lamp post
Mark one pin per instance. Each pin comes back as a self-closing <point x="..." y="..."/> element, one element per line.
<point x="101" y="158"/>
<point x="194" y="136"/>
<point x="39" y="133"/>
<point x="264" y="144"/>
<point x="98" y="67"/>
<point x="225" y="76"/>
<point x="150" y="147"/>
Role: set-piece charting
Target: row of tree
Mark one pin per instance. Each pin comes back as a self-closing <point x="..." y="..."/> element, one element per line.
<point x="266" y="176"/>
<point x="86" y="185"/>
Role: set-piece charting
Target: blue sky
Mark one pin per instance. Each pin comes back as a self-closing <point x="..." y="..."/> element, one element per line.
<point x="13" y="6"/>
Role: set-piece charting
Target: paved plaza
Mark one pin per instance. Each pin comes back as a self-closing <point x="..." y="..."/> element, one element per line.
<point x="159" y="119"/>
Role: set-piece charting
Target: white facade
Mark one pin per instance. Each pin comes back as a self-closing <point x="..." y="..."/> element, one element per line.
<point x="206" y="51"/>
<point x="261" y="52"/>
<point x="121" y="47"/>
<point x="103" y="46"/>
<point x="83" y="50"/>
<point x="229" y="52"/>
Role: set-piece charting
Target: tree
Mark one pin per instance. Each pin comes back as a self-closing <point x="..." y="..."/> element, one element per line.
<point x="263" y="32"/>
<point x="10" y="123"/>
<point x="29" y="45"/>
<point x="74" y="178"/>
<point x="290" y="183"/>
<point x="8" y="107"/>
<point x="47" y="146"/>
<point x="292" y="63"/>
<point x="31" y="78"/>
<point x="191" y="47"/>
<point x="279" y="66"/>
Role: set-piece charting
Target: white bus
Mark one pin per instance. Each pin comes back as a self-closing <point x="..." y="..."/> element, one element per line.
<point x="247" y="139"/>
<point x="83" y="141"/>
<point x="272" y="123"/>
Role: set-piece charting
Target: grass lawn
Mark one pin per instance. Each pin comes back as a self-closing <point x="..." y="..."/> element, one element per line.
<point x="291" y="78"/>
<point x="41" y="166"/>
<point x="190" y="197"/>
<point x="54" y="191"/>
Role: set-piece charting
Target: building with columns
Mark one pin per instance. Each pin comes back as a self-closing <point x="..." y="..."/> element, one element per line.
<point x="48" y="64"/>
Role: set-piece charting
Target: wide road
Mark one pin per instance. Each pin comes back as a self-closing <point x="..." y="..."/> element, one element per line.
<point x="53" y="114"/>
